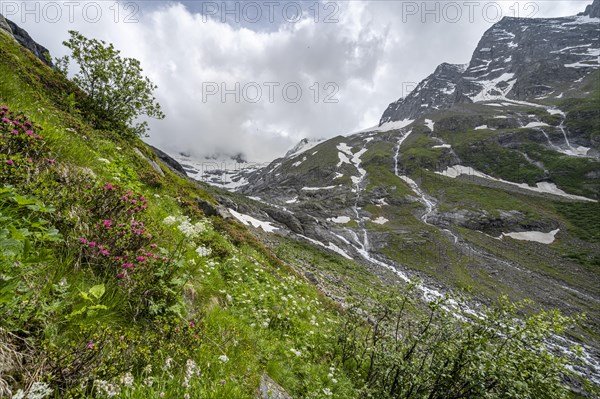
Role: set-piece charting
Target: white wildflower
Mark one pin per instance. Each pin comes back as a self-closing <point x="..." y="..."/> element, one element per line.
<point x="223" y="359"/>
<point x="327" y="392"/>
<point x="168" y="363"/>
<point x="148" y="381"/>
<point x="106" y="388"/>
<point x="169" y="220"/>
<point x="190" y="230"/>
<point x="19" y="395"/>
<point x="127" y="379"/>
<point x="203" y="251"/>
<point x="39" y="390"/>
<point x="296" y="352"/>
<point x="190" y="369"/>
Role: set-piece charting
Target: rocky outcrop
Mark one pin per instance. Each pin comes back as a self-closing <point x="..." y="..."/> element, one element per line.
<point x="435" y="92"/>
<point x="169" y="161"/>
<point x="517" y="58"/>
<point x="23" y="38"/>
<point x="4" y="25"/>
<point x="269" y="389"/>
<point x="286" y="218"/>
<point x="593" y="10"/>
<point x="151" y="162"/>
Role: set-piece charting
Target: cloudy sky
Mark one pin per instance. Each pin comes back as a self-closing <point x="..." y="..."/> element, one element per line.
<point x="257" y="77"/>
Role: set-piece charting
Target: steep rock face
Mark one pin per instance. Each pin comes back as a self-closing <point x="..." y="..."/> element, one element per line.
<point x="168" y="160"/>
<point x="435" y="92"/>
<point x="519" y="59"/>
<point x="23" y="38"/>
<point x="593" y="10"/>
<point x="4" y="25"/>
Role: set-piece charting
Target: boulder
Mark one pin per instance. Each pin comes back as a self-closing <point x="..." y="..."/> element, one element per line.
<point x="269" y="389"/>
<point x="169" y="161"/>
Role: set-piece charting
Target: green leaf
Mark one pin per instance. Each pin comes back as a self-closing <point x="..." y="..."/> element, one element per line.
<point x="97" y="291"/>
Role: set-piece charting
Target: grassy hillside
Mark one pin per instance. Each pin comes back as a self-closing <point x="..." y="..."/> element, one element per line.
<point x="113" y="283"/>
<point x="109" y="268"/>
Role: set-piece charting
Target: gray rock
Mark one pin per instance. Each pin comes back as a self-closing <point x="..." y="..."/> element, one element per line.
<point x="152" y="163"/>
<point x="168" y="160"/>
<point x="4" y="25"/>
<point x="311" y="277"/>
<point x="593" y="10"/>
<point x="26" y="41"/>
<point x="213" y="210"/>
<point x="287" y="219"/>
<point x="269" y="389"/>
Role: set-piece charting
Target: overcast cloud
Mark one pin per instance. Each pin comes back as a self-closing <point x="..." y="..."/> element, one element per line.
<point x="371" y="56"/>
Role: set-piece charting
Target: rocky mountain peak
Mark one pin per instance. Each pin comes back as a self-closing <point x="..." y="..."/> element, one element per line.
<point x="517" y="58"/>
<point x="435" y="92"/>
<point x="592" y="10"/>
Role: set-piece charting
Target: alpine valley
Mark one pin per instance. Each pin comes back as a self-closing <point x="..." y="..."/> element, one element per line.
<point x="484" y="179"/>
<point x="479" y="188"/>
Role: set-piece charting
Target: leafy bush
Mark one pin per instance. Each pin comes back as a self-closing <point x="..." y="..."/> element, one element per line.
<point x="23" y="152"/>
<point x="438" y="354"/>
<point x="117" y="90"/>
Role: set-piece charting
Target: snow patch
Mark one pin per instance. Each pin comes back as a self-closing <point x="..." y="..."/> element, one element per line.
<point x="442" y="146"/>
<point x="397" y="125"/>
<point x="331" y="246"/>
<point x="536" y="124"/>
<point x="340" y="219"/>
<point x="318" y="188"/>
<point x="430" y="124"/>
<point x="542" y="187"/>
<point x="250" y="221"/>
<point x="536" y="236"/>
<point x="380" y="220"/>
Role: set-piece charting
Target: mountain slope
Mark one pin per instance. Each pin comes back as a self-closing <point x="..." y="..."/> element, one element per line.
<point x="518" y="59"/>
<point x="485" y="178"/>
<point x="120" y="278"/>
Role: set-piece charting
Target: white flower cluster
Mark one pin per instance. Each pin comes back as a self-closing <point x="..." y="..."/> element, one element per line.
<point x="189" y="229"/>
<point x="296" y="352"/>
<point x="223" y="359"/>
<point x="127" y="380"/>
<point x="106" y="389"/>
<point x="203" y="251"/>
<point x="191" y="369"/>
<point x="38" y="390"/>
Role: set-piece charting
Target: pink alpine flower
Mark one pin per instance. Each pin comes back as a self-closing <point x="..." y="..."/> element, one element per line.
<point x="10" y="162"/>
